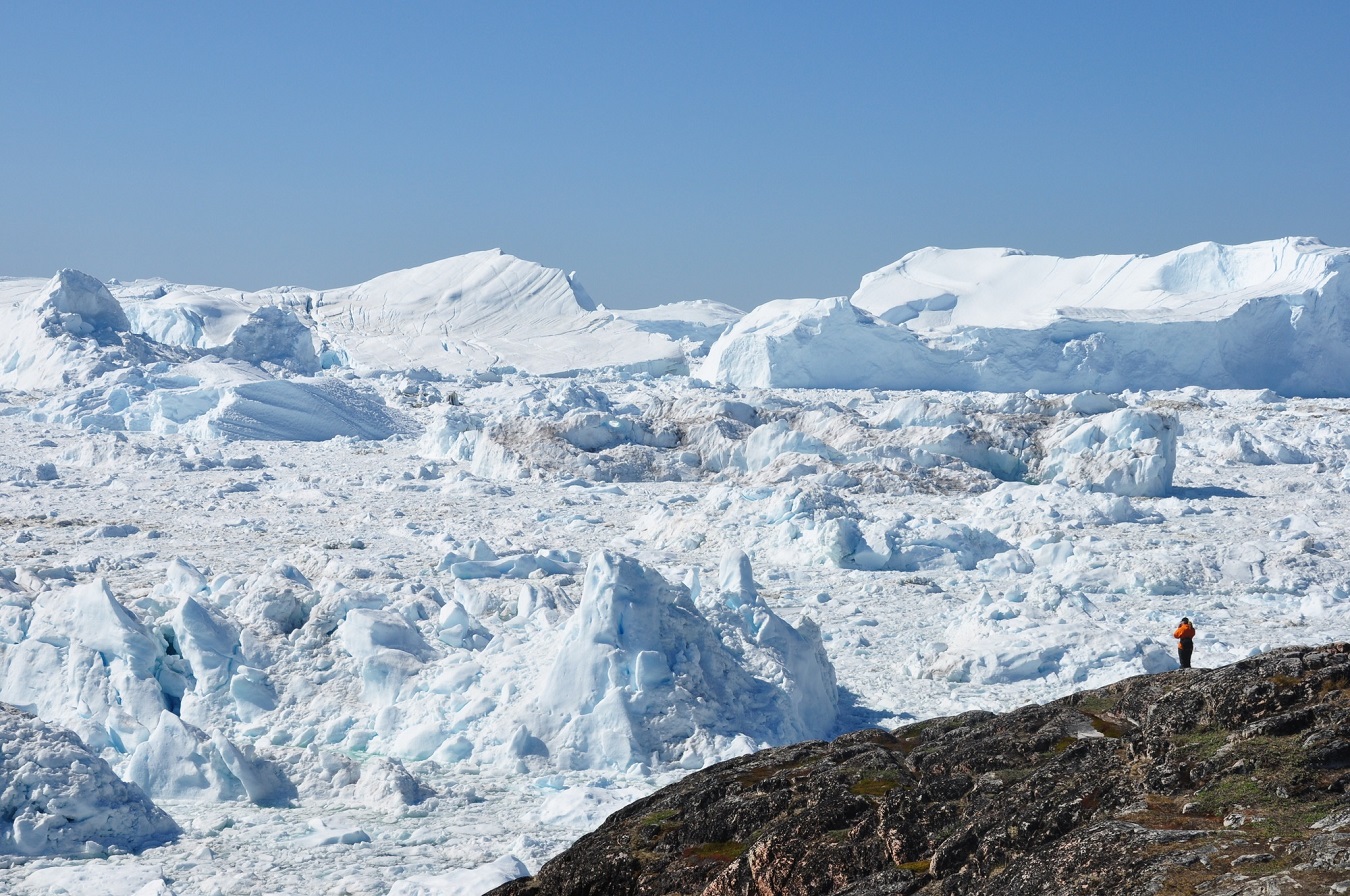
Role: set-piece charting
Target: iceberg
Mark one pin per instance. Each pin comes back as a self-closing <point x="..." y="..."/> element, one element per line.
<point x="60" y="799"/>
<point x="1272" y="315"/>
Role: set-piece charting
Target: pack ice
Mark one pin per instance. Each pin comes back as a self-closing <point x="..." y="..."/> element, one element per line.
<point x="401" y="587"/>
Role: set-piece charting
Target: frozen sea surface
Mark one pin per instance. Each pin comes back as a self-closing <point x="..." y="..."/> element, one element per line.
<point x="360" y="619"/>
<point x="346" y="582"/>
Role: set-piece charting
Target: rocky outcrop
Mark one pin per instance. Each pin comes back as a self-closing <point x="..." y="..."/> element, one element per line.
<point x="1225" y="781"/>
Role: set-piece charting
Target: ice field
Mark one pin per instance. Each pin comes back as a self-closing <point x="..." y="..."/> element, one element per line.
<point x="403" y="587"/>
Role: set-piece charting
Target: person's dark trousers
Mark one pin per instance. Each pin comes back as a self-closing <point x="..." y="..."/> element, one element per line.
<point x="1184" y="649"/>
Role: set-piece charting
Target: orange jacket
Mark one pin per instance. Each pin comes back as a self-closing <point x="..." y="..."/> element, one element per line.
<point x="1185" y="631"/>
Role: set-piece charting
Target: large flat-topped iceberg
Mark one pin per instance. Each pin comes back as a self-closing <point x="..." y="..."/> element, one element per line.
<point x="934" y="288"/>
<point x="1267" y="315"/>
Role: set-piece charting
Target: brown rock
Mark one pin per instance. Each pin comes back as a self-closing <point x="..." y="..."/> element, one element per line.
<point x="1084" y="795"/>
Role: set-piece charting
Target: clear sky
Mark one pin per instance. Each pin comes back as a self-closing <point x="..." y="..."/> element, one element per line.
<point x="665" y="151"/>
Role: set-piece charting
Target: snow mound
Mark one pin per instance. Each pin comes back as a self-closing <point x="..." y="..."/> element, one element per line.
<point x="188" y="317"/>
<point x="80" y="305"/>
<point x="213" y="399"/>
<point x="333" y="832"/>
<point x="183" y="762"/>
<point x="302" y="410"/>
<point x="807" y="343"/>
<point x="273" y="335"/>
<point x="385" y="782"/>
<point x="270" y="326"/>
<point x="463" y="881"/>
<point x="58" y="798"/>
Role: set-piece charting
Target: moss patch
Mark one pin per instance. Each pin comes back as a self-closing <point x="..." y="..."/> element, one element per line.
<point x="1164" y="813"/>
<point x="764" y="773"/>
<point x="1200" y="744"/>
<point x="1227" y="794"/>
<point x="1096" y="704"/>
<point x="657" y="817"/>
<point x="877" y="786"/>
<point x="1274" y="783"/>
<point x="1336" y="685"/>
<point x="1014" y="775"/>
<point x="726" y="851"/>
<point x="910" y="736"/>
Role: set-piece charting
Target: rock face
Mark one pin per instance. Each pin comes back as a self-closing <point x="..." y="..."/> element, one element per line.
<point x="1225" y="781"/>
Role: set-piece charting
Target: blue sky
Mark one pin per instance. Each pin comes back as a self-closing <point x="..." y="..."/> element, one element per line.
<point x="731" y="151"/>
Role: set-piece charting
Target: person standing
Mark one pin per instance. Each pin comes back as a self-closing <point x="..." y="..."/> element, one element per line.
<point x="1185" y="635"/>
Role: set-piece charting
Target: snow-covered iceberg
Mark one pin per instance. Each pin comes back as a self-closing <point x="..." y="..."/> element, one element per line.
<point x="1273" y="315"/>
<point x="482" y="310"/>
<point x="65" y="332"/>
<point x="1267" y="315"/>
<point x="1127" y="452"/>
<point x="807" y="343"/>
<point x="57" y="798"/>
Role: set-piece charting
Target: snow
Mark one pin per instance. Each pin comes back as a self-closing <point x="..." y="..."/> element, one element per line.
<point x="1006" y="288"/>
<point x="67" y="330"/>
<point x="182" y="762"/>
<point x="366" y="595"/>
<point x="85" y="662"/>
<point x="642" y="676"/>
<point x="464" y="881"/>
<point x="80" y="305"/>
